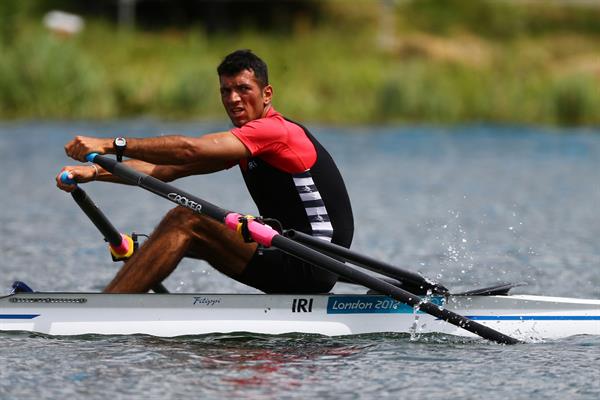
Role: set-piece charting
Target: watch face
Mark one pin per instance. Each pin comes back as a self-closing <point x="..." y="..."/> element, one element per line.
<point x="121" y="142"/>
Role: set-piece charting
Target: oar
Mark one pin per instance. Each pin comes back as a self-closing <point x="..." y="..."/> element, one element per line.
<point x="120" y="245"/>
<point x="367" y="262"/>
<point x="267" y="236"/>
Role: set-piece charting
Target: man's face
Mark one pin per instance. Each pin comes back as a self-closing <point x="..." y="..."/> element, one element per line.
<point x="243" y="98"/>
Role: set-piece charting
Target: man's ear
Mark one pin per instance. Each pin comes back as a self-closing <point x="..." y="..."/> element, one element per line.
<point x="267" y="94"/>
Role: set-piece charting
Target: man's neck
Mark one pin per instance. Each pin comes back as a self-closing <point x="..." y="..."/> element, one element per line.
<point x="268" y="108"/>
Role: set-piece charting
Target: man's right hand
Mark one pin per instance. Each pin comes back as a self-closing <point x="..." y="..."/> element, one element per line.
<point x="79" y="173"/>
<point x="81" y="146"/>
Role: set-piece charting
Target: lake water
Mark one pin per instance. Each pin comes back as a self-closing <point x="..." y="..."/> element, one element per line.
<point x="468" y="206"/>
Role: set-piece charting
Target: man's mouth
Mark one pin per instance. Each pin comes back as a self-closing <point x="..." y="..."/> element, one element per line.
<point x="237" y="111"/>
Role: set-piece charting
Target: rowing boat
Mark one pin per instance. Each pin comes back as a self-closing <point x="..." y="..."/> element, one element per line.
<point x="523" y="317"/>
<point x="409" y="303"/>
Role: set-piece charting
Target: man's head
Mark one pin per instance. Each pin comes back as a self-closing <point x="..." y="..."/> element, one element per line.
<point x="241" y="60"/>
<point x="245" y="90"/>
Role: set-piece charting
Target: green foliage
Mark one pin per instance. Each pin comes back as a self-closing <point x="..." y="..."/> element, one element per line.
<point x="480" y="63"/>
<point x="192" y="91"/>
<point x="483" y="17"/>
<point x="43" y="76"/>
<point x="499" y="19"/>
<point x="13" y="13"/>
<point x="576" y="100"/>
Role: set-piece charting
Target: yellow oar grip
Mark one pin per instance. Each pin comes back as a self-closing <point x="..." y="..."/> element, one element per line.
<point x="125" y="250"/>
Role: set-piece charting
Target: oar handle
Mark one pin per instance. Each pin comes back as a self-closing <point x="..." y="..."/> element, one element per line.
<point x="64" y="178"/>
<point x="90" y="157"/>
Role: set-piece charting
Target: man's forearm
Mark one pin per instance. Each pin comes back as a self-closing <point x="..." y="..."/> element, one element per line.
<point x="165" y="173"/>
<point x="219" y="147"/>
<point x="214" y="149"/>
<point x="163" y="150"/>
<point x="141" y="166"/>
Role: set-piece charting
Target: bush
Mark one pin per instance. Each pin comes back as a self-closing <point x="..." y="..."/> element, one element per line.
<point x="42" y="76"/>
<point x="575" y="100"/>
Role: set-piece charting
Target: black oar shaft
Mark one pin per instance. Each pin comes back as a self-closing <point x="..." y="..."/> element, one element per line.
<point x="366" y="262"/>
<point x="314" y="257"/>
<point x="110" y="233"/>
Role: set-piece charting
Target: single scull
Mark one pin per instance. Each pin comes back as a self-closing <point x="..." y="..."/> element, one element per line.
<point x="520" y="316"/>
<point x="408" y="303"/>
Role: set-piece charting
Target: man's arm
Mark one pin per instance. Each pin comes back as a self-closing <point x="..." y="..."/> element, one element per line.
<point x="94" y="172"/>
<point x="213" y="152"/>
<point x="220" y="148"/>
<point x="166" y="173"/>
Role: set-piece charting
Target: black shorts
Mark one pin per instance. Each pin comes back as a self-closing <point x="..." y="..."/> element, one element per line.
<point x="274" y="271"/>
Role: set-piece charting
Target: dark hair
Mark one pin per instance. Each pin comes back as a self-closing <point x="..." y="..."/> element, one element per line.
<point x="240" y="60"/>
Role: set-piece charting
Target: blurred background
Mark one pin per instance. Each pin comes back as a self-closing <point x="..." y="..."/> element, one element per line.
<point x="331" y="61"/>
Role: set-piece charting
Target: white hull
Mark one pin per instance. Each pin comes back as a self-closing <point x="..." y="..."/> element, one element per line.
<point x="523" y="317"/>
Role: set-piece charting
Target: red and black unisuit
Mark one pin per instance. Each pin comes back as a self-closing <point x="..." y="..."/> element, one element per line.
<point x="292" y="178"/>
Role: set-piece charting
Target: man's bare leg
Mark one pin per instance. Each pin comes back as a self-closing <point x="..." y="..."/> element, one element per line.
<point x="181" y="233"/>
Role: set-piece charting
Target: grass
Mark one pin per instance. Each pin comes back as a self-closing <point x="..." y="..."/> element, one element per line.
<point x="439" y="67"/>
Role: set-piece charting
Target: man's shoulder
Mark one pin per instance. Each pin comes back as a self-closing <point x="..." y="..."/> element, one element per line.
<point x="289" y="123"/>
<point x="274" y="116"/>
<point x="274" y="121"/>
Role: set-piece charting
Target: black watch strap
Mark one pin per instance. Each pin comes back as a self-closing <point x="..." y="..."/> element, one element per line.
<point x="120" y="144"/>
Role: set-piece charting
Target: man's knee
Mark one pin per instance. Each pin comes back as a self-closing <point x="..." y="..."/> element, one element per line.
<point x="182" y="218"/>
<point x="185" y="220"/>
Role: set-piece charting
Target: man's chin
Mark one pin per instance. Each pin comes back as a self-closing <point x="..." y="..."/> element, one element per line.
<point x="238" y="122"/>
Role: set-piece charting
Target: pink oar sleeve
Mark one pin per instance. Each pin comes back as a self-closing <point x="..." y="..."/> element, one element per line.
<point x="260" y="233"/>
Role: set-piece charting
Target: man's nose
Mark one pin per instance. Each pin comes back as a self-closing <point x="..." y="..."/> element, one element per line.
<point x="234" y="96"/>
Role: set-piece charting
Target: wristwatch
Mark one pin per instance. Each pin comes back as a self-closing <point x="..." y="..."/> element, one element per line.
<point x="120" y="144"/>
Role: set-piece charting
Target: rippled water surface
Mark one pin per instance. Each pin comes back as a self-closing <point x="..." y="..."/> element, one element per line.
<point x="468" y="206"/>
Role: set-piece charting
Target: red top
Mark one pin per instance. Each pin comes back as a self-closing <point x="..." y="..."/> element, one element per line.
<point x="278" y="142"/>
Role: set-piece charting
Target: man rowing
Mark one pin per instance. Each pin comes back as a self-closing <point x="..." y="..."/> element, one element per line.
<point x="289" y="174"/>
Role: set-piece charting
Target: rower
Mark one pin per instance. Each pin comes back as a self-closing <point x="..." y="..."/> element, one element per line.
<point x="289" y="174"/>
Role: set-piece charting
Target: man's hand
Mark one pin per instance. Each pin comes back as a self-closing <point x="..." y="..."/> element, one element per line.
<point x="80" y="173"/>
<point x="81" y="146"/>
